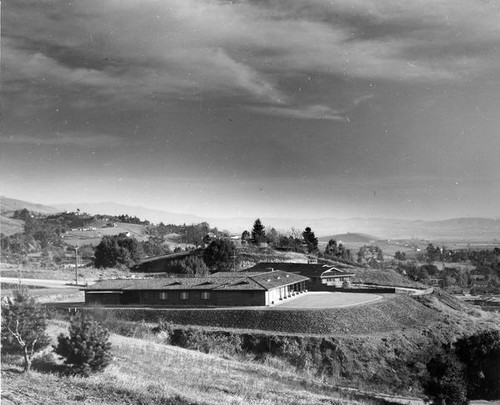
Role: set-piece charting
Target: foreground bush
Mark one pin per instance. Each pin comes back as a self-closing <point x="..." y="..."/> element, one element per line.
<point x="24" y="322"/>
<point x="86" y="349"/>
<point x="469" y="370"/>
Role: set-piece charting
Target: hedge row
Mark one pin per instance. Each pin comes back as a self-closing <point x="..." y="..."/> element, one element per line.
<point x="390" y="314"/>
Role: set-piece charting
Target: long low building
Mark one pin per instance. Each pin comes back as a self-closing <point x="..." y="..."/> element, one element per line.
<point x="220" y="289"/>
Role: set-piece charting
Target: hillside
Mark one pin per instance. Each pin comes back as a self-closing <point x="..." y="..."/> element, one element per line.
<point x="382" y="349"/>
<point x="10" y="226"/>
<point x="470" y="230"/>
<point x="144" y="372"/>
<point x="8" y="205"/>
<point x="350" y="238"/>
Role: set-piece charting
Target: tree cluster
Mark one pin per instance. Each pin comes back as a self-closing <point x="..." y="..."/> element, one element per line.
<point x="194" y="234"/>
<point x="118" y="250"/>
<point x="371" y="255"/>
<point x="191" y="265"/>
<point x="220" y="255"/>
<point x="483" y="257"/>
<point x="293" y="241"/>
<point x="337" y="250"/>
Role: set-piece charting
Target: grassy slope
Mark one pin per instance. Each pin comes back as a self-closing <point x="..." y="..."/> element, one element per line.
<point x="10" y="226"/>
<point x="146" y="372"/>
<point x="389" y="351"/>
<point x="93" y="238"/>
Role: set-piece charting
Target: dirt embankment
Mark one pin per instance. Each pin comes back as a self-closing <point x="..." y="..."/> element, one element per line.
<point x="391" y="313"/>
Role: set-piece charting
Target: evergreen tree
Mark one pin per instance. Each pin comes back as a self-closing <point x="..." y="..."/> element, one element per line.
<point x="258" y="232"/>
<point x="86" y="349"/>
<point x="310" y="239"/>
<point x="24" y="322"/>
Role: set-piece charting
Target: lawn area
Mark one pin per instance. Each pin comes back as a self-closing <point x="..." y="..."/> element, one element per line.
<point x="324" y="299"/>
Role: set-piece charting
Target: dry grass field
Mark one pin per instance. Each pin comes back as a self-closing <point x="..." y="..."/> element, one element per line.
<point x="143" y="372"/>
<point x="93" y="237"/>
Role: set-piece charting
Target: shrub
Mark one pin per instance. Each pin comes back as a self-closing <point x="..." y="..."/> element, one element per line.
<point x="446" y="383"/>
<point x="86" y="349"/>
<point x="24" y="322"/>
<point x="480" y="353"/>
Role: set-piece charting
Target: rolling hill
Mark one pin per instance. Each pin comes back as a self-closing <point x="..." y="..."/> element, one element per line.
<point x="350" y="238"/>
<point x="9" y="205"/>
<point x="449" y="230"/>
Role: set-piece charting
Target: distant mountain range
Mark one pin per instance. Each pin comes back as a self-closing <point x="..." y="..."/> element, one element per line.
<point x="456" y="229"/>
<point x="350" y="238"/>
<point x="8" y="205"/>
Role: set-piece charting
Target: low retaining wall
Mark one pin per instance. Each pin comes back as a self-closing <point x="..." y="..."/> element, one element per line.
<point x="368" y="290"/>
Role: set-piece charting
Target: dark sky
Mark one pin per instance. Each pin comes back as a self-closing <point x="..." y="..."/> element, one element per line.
<point x="349" y="108"/>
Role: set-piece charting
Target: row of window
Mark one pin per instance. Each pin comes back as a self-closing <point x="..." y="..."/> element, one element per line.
<point x="163" y="296"/>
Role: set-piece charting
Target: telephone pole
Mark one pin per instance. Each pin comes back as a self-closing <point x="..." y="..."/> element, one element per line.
<point x="76" y="265"/>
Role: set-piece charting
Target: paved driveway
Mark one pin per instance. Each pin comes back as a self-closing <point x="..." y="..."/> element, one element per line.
<point x="324" y="299"/>
<point x="39" y="282"/>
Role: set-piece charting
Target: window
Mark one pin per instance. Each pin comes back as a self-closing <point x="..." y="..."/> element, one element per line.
<point x="163" y="296"/>
<point x="184" y="295"/>
<point x="205" y="295"/>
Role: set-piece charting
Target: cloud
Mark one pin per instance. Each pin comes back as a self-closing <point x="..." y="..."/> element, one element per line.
<point x="130" y="51"/>
<point x="86" y="140"/>
<point x="311" y="112"/>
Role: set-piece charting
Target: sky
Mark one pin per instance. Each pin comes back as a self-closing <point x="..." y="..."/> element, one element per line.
<point x="342" y="108"/>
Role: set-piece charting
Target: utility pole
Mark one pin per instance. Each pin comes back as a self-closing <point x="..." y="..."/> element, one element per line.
<point x="76" y="265"/>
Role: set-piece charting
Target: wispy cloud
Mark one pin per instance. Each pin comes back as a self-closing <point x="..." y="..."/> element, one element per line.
<point x="86" y="140"/>
<point x="310" y="112"/>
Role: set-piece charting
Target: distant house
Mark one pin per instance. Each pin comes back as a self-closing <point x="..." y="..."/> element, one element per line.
<point x="220" y="289"/>
<point x="319" y="274"/>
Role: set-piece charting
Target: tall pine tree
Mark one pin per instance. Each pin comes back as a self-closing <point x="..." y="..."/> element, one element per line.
<point x="310" y="239"/>
<point x="258" y="232"/>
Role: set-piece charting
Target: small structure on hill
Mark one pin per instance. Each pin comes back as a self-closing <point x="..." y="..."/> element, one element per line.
<point x="319" y="274"/>
<point x="219" y="289"/>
